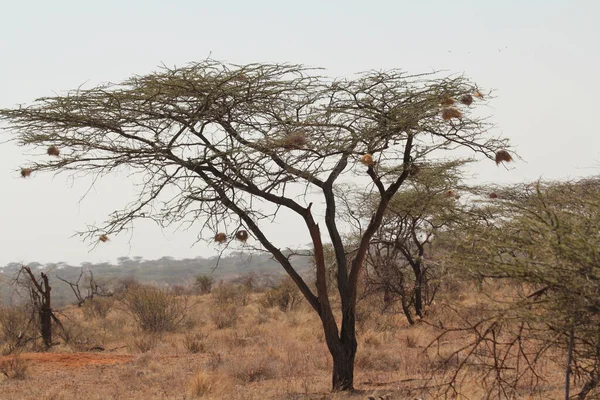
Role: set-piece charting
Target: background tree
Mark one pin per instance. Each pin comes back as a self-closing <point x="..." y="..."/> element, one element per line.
<point x="400" y="265"/>
<point x="229" y="147"/>
<point x="544" y="239"/>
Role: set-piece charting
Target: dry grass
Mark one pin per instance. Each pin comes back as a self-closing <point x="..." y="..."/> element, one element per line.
<point x="268" y="352"/>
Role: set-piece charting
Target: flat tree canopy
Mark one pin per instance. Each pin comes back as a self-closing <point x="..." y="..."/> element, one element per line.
<point x="226" y="147"/>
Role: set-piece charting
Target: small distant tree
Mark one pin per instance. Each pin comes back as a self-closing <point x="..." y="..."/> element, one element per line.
<point x="399" y="263"/>
<point x="88" y="289"/>
<point x="233" y="146"/>
<point x="38" y="290"/>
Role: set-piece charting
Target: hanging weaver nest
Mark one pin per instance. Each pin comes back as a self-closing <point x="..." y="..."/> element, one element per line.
<point x="103" y="238"/>
<point x="367" y="159"/>
<point x="53" y="151"/>
<point x="220" y="237"/>
<point x="451" y="112"/>
<point x="447" y="101"/>
<point x="451" y="193"/>
<point x="466" y="99"/>
<point x="503" y="156"/>
<point x="478" y="94"/>
<point x="294" y="141"/>
<point x="241" y="235"/>
<point x="26" y="172"/>
<point x="493" y="196"/>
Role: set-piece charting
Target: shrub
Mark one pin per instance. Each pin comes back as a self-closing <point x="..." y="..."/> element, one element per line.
<point x="14" y="368"/>
<point x="230" y="294"/>
<point x="194" y="342"/>
<point x="16" y="327"/>
<point x="204" y="284"/>
<point x="155" y="310"/>
<point x="98" y="307"/>
<point x="285" y="296"/>
<point x="224" y="315"/>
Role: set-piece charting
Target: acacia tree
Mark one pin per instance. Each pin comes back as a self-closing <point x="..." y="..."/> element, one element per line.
<point x="428" y="204"/>
<point x="544" y="238"/>
<point x="227" y="147"/>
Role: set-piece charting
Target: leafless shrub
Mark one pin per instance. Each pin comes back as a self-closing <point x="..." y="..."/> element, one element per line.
<point x="155" y="310"/>
<point x="224" y="315"/>
<point x="16" y="327"/>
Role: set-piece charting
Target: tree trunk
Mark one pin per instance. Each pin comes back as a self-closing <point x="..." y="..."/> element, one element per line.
<point x="46" y="325"/>
<point x="343" y="369"/>
<point x="418" y="289"/>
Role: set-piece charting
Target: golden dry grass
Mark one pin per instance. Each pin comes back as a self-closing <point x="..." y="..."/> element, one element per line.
<point x="265" y="353"/>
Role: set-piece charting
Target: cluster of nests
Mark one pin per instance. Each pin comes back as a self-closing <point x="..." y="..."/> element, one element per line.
<point x="52" y="151"/>
<point x="241" y="235"/>
<point x="449" y="112"/>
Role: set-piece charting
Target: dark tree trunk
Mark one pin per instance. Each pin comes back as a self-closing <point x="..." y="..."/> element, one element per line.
<point x="46" y="326"/>
<point x="418" y="289"/>
<point x="406" y="308"/>
<point x="46" y="312"/>
<point x="343" y="369"/>
<point x="343" y="354"/>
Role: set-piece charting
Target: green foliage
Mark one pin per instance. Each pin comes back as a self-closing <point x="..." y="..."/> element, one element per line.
<point x="545" y="239"/>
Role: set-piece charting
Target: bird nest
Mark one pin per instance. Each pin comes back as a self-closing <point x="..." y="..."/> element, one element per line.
<point x="220" y="237"/>
<point x="26" y="172"/>
<point x="447" y="101"/>
<point x="103" y="238"/>
<point x="367" y="159"/>
<point x="294" y="141"/>
<point x="451" y="112"/>
<point x="466" y="99"/>
<point x="503" y="156"/>
<point x="242" y="235"/>
<point x="53" y="151"/>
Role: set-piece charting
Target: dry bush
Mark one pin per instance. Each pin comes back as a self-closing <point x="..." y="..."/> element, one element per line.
<point x="16" y="327"/>
<point x="98" y="307"/>
<point x="230" y="294"/>
<point x="203" y="284"/>
<point x="194" y="342"/>
<point x="224" y="315"/>
<point x="285" y="296"/>
<point x="155" y="310"/>
<point x="78" y="335"/>
<point x="14" y="368"/>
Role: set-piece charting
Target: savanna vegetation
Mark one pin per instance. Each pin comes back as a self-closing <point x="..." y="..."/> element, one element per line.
<point x="428" y="286"/>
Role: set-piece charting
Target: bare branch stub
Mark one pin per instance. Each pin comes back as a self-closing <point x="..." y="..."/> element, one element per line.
<point x="232" y="145"/>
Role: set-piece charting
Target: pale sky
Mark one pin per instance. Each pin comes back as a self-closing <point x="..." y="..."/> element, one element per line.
<point x="541" y="58"/>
